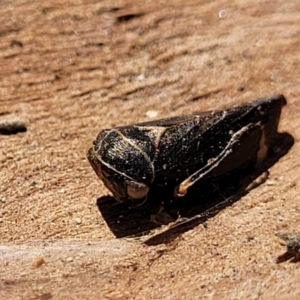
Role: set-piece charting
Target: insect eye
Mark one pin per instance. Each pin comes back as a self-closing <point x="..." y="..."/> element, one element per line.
<point x="137" y="190"/>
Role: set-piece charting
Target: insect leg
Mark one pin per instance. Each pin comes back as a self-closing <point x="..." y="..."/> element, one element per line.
<point x="238" y="151"/>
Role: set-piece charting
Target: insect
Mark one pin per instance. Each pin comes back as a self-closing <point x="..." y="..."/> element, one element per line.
<point x="178" y="152"/>
<point x="292" y="242"/>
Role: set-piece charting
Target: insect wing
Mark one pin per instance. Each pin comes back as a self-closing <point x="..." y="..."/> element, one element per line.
<point x="258" y="123"/>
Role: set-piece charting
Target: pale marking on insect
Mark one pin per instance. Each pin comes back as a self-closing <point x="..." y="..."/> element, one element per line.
<point x="263" y="148"/>
<point x="159" y="131"/>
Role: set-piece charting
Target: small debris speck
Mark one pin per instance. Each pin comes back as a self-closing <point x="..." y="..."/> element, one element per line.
<point x="12" y="126"/>
<point x="38" y="262"/>
<point x="292" y="242"/>
<point x="141" y="77"/>
<point x="222" y="13"/>
<point x="270" y="182"/>
<point x="69" y="259"/>
<point x="152" y="114"/>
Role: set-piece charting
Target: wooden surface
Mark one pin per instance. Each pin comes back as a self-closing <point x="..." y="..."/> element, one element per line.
<point x="72" y="68"/>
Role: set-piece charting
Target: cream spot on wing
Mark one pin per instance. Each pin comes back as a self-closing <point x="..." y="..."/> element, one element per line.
<point x="263" y="148"/>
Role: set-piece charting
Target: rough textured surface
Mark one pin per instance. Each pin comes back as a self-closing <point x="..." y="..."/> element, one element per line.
<point x="69" y="69"/>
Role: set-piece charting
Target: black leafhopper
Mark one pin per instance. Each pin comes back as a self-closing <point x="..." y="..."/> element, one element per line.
<point x="178" y="152"/>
